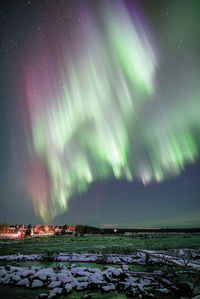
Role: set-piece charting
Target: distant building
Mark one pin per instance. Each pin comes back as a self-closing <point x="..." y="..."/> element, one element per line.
<point x="22" y="232"/>
<point x="12" y="229"/>
<point x="46" y="228"/>
<point x="71" y="229"/>
<point x="58" y="230"/>
<point x="37" y="229"/>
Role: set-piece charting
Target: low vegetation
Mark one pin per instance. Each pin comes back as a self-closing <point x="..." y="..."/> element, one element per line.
<point x="100" y="243"/>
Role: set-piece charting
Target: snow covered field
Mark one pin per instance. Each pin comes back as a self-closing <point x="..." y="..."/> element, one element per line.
<point x="171" y="273"/>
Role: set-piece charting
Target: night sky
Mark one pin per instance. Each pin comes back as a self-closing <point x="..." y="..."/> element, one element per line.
<point x="100" y="112"/>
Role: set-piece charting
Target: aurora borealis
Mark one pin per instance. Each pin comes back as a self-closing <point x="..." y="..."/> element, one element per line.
<point x="105" y="96"/>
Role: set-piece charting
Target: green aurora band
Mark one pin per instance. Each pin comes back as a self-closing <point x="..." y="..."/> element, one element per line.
<point x="102" y="114"/>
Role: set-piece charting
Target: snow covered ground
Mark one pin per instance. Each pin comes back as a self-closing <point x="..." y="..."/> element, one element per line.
<point x="62" y="280"/>
<point x="181" y="257"/>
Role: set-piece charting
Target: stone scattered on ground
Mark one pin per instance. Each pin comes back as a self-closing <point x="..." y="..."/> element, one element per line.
<point x="140" y="257"/>
<point x="37" y="283"/>
<point x="61" y="280"/>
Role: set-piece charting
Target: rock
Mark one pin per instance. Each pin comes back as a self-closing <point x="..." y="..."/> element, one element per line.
<point x="123" y="285"/>
<point x="94" y="270"/>
<point x="15" y="277"/>
<point x="54" y="284"/>
<point x="23" y="282"/>
<point x="68" y="287"/>
<point x="50" y="272"/>
<point x="42" y="276"/>
<point x="63" y="278"/>
<point x="44" y="273"/>
<point x="66" y="272"/>
<point x="158" y="272"/>
<point x="7" y="279"/>
<point x="52" y="278"/>
<point x="81" y="286"/>
<point x="37" y="283"/>
<point x="43" y="295"/>
<point x="69" y="279"/>
<point x="55" y="292"/>
<point x="125" y="268"/>
<point x="3" y="272"/>
<point x="52" y="295"/>
<point x="132" y="280"/>
<point x="163" y="291"/>
<point x="97" y="276"/>
<point x="75" y="270"/>
<point x="27" y="273"/>
<point x="72" y="266"/>
<point x="116" y="272"/>
<point x="31" y="277"/>
<point x="166" y="282"/>
<point x="80" y="273"/>
<point x="36" y="268"/>
<point x="109" y="287"/>
<point x="143" y="283"/>
<point x="95" y="283"/>
<point x="107" y="275"/>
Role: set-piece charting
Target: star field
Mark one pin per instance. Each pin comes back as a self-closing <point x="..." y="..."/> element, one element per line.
<point x="100" y="112"/>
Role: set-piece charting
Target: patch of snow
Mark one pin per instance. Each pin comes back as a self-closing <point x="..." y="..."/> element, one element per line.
<point x="23" y="282"/>
<point x="54" y="284"/>
<point x="81" y="285"/>
<point x="109" y="287"/>
<point x="43" y="295"/>
<point x="63" y="278"/>
<point x="15" y="277"/>
<point x="37" y="283"/>
<point x="68" y="287"/>
<point x="163" y="291"/>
